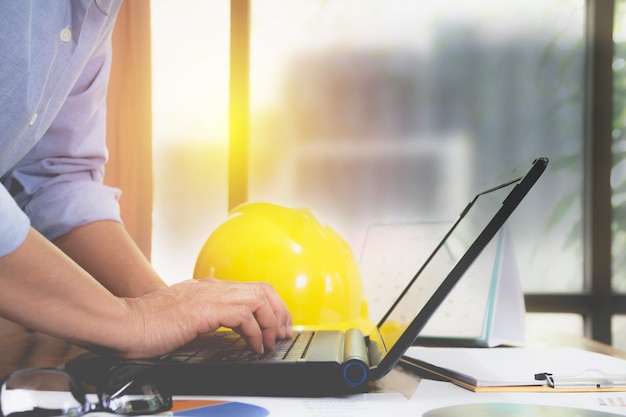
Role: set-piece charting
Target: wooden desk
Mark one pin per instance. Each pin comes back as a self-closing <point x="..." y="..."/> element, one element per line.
<point x="25" y="350"/>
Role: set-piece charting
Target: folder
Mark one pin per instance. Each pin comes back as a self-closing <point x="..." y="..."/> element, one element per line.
<point x="516" y="369"/>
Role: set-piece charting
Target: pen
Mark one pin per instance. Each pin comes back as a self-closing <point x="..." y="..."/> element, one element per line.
<point x="590" y="378"/>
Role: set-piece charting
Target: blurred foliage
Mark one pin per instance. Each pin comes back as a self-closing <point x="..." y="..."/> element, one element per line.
<point x="569" y="201"/>
<point x="619" y="164"/>
<point x="618" y="176"/>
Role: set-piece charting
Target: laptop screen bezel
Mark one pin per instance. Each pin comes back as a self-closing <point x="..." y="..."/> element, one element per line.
<point x="521" y="185"/>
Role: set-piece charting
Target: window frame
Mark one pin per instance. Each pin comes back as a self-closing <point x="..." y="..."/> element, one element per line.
<point x="598" y="303"/>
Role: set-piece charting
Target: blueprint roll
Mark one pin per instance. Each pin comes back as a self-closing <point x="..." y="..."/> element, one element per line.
<point x="513" y="410"/>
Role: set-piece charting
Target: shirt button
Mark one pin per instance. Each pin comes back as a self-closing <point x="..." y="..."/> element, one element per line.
<point x="33" y="120"/>
<point x="66" y="35"/>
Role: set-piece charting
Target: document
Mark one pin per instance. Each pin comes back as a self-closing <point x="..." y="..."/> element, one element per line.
<point x="521" y="369"/>
<point x="361" y="405"/>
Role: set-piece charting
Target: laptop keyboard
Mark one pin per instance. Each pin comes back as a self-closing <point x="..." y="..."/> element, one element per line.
<point x="230" y="347"/>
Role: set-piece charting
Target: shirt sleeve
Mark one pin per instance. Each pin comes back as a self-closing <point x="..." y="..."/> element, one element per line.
<point x="60" y="181"/>
<point x="14" y="225"/>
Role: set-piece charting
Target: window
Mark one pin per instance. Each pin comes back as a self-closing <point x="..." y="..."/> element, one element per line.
<point x="392" y="111"/>
<point x="190" y="111"/>
<point x="389" y="111"/>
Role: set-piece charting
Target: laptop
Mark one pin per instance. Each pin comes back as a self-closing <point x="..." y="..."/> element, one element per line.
<point x="329" y="362"/>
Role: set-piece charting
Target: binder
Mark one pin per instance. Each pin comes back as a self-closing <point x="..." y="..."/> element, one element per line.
<point x="521" y="369"/>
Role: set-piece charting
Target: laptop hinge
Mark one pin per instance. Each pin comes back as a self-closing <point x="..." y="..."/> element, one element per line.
<point x="355" y="347"/>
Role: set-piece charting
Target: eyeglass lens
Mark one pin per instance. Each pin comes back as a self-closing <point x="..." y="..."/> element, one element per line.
<point x="41" y="393"/>
<point x="53" y="392"/>
<point x="130" y="390"/>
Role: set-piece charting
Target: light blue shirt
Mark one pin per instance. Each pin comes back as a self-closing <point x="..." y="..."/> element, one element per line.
<point x="54" y="67"/>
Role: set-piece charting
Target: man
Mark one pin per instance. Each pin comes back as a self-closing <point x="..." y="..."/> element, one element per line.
<point x="67" y="265"/>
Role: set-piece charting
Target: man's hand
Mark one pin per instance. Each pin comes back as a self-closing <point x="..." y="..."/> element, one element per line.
<point x="55" y="295"/>
<point x="171" y="317"/>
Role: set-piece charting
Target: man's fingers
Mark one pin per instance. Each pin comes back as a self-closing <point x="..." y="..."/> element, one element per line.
<point x="242" y="320"/>
<point x="283" y="316"/>
<point x="259" y="311"/>
<point x="281" y="312"/>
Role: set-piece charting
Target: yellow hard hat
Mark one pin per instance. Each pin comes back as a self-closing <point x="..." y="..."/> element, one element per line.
<point x="310" y="265"/>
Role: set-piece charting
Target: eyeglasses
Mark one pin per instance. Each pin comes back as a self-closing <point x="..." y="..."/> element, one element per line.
<point x="48" y="392"/>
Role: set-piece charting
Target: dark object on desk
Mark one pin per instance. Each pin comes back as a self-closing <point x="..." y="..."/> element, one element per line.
<point x="334" y="362"/>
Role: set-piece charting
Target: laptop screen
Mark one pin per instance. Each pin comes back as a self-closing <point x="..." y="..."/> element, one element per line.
<point x="477" y="224"/>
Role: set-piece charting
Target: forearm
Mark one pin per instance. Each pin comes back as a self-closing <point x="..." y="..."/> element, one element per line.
<point x="106" y="251"/>
<point x="45" y="290"/>
<point x="42" y="288"/>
